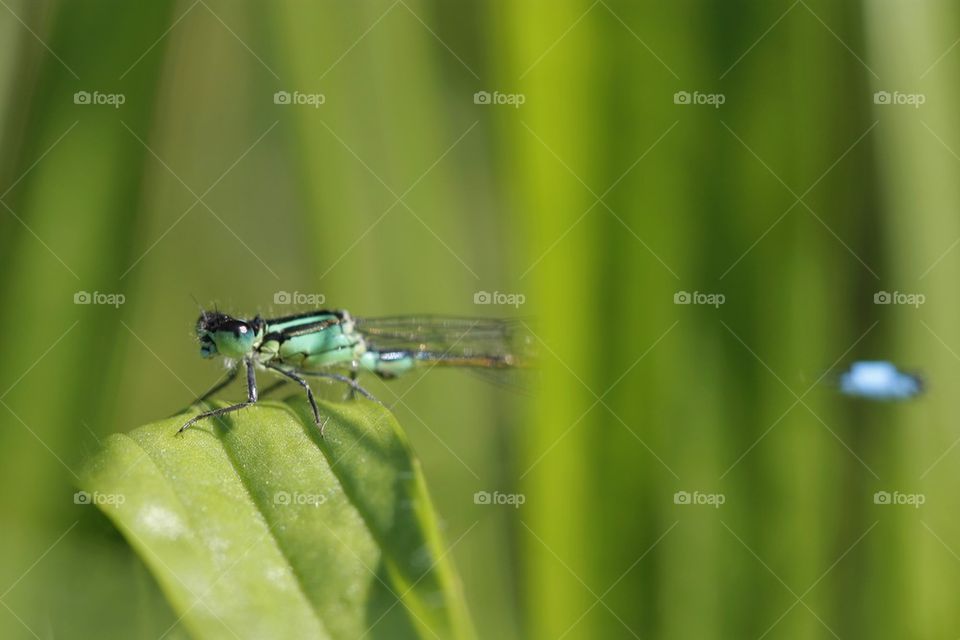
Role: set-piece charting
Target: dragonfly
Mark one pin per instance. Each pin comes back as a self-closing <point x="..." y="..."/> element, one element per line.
<point x="332" y="344"/>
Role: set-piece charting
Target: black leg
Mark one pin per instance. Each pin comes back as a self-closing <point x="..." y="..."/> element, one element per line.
<point x="302" y="383"/>
<point x="276" y="385"/>
<point x="353" y="392"/>
<point x="353" y="384"/>
<point x="251" y="399"/>
<point x="231" y="376"/>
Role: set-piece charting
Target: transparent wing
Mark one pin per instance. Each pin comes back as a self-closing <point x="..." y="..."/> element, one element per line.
<point x="524" y="381"/>
<point x="472" y="342"/>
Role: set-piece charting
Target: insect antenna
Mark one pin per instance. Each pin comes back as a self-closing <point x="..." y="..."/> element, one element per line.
<point x="203" y="312"/>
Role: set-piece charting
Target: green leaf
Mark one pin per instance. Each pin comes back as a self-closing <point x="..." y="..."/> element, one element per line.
<point x="255" y="526"/>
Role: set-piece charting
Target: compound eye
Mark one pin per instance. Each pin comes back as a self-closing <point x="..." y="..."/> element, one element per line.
<point x="234" y="338"/>
<point x="236" y="327"/>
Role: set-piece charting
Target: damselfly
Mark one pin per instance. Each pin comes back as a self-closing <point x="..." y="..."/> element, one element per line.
<point x="337" y="346"/>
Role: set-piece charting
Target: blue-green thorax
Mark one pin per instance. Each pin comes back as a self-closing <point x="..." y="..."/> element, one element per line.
<point x="313" y="341"/>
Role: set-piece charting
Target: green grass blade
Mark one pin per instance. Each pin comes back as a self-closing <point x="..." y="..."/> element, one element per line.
<point x="259" y="527"/>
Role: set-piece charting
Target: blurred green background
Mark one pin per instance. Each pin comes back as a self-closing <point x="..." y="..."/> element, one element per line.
<point x="599" y="198"/>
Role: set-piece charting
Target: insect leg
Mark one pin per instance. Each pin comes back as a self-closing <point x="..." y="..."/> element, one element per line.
<point x="230" y="377"/>
<point x="353" y="392"/>
<point x="251" y="399"/>
<point x="353" y="384"/>
<point x="303" y="383"/>
<point x="273" y="387"/>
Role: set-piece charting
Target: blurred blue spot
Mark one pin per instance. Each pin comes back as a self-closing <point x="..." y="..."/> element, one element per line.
<point x="879" y="380"/>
